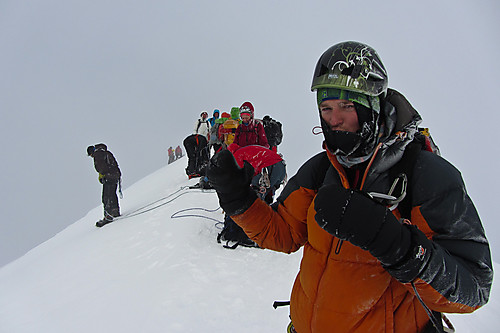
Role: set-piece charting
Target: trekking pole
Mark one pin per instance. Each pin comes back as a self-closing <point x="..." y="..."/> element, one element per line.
<point x="277" y="304"/>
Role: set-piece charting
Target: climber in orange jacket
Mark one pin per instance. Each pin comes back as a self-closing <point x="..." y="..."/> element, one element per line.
<point x="377" y="256"/>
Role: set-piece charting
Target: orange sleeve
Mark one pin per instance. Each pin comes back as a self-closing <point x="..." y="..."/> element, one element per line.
<point x="283" y="229"/>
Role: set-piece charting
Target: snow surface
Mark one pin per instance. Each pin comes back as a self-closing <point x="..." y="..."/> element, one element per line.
<point x="158" y="271"/>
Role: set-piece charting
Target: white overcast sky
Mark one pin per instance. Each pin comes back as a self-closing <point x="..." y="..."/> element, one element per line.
<point x="136" y="74"/>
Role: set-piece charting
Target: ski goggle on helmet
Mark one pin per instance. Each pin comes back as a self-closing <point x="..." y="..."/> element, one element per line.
<point x="351" y="66"/>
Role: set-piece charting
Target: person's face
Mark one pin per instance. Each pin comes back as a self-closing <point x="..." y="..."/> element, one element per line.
<point x="340" y="115"/>
<point x="204" y="115"/>
<point x="245" y="117"/>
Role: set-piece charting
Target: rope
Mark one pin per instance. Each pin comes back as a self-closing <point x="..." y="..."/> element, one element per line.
<point x="133" y="212"/>
<point x="428" y="311"/>
<point x="175" y="215"/>
<point x="145" y="209"/>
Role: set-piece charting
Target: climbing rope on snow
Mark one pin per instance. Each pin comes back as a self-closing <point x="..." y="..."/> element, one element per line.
<point x="141" y="210"/>
<point x="176" y="214"/>
<point x="154" y="205"/>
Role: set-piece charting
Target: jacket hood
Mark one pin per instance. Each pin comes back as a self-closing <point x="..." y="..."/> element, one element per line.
<point x="247" y="107"/>
<point x="225" y="116"/>
<point x="235" y="112"/>
<point x="396" y="127"/>
<point x="399" y="124"/>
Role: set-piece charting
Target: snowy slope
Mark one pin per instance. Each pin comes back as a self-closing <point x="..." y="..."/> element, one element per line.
<point x="157" y="271"/>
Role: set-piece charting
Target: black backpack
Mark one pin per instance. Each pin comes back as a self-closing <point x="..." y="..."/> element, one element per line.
<point x="113" y="168"/>
<point x="274" y="133"/>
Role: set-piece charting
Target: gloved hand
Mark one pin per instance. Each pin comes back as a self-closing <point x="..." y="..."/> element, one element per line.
<point x="353" y="216"/>
<point x="231" y="182"/>
<point x="102" y="178"/>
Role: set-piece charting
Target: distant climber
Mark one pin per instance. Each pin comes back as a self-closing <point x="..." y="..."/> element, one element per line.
<point x="110" y="178"/>
<point x="171" y="156"/>
<point x="178" y="152"/>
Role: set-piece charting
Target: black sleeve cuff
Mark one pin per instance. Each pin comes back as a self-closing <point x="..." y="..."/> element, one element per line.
<point x="413" y="264"/>
<point x="239" y="206"/>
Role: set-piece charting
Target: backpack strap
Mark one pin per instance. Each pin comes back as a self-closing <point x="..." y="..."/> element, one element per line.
<point x="198" y="127"/>
<point x="405" y="167"/>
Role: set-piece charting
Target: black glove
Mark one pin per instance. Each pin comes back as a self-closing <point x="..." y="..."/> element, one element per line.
<point x="353" y="216"/>
<point x="231" y="182"/>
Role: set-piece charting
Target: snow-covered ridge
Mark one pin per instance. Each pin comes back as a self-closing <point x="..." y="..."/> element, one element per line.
<point x="160" y="271"/>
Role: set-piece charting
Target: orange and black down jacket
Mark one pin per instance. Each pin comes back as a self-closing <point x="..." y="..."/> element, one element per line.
<point x="342" y="288"/>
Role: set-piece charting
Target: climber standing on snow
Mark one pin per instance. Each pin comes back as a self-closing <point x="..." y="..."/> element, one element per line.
<point x="390" y="238"/>
<point x="215" y="116"/>
<point x="202" y="125"/>
<point x="196" y="146"/>
<point x="251" y="131"/>
<point x="178" y="152"/>
<point x="110" y="178"/>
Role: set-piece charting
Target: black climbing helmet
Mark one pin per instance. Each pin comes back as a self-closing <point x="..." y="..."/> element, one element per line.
<point x="352" y="66"/>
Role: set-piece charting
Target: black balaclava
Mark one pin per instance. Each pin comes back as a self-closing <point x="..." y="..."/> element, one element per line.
<point x="352" y="148"/>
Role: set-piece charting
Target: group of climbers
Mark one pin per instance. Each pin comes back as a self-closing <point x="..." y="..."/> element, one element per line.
<point x="231" y="131"/>
<point x="174" y="155"/>
<point x="245" y="137"/>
